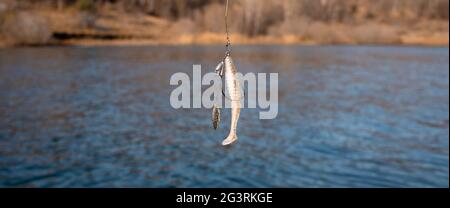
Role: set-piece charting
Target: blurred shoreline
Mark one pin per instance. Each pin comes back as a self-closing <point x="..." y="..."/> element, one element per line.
<point x="218" y="39"/>
<point x="440" y="40"/>
<point x="90" y="23"/>
<point x="192" y="40"/>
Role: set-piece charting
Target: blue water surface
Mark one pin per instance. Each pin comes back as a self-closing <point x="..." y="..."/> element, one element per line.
<point x="349" y="116"/>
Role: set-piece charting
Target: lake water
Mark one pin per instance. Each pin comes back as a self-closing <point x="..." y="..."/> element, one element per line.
<point x="348" y="117"/>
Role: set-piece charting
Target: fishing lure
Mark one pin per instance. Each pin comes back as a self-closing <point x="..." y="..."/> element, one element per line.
<point x="234" y="91"/>
<point x="226" y="69"/>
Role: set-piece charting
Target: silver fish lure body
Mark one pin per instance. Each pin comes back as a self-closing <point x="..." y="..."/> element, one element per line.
<point x="234" y="95"/>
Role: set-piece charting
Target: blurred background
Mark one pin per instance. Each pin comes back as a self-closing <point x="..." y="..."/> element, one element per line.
<point x="37" y="22"/>
<point x="363" y="93"/>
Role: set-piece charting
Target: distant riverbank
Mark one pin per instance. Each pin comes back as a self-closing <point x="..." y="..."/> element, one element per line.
<point x="37" y="27"/>
<point x="238" y="39"/>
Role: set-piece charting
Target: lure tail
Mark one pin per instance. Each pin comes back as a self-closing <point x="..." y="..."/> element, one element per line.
<point x="232" y="137"/>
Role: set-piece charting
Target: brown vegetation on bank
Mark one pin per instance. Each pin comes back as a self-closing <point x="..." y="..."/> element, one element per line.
<point x="41" y="22"/>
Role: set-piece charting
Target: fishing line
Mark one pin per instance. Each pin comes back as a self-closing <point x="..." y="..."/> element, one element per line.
<point x="227" y="53"/>
<point x="228" y="49"/>
<point x="228" y="45"/>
